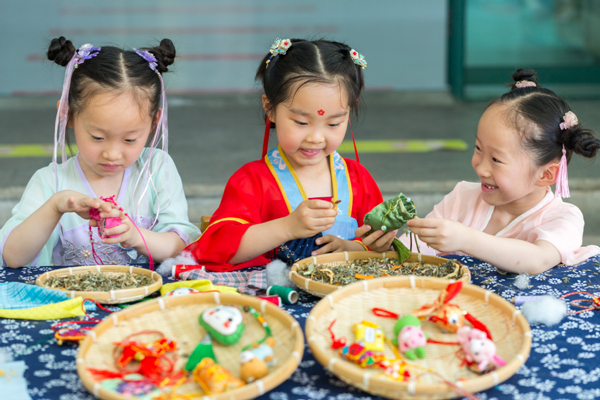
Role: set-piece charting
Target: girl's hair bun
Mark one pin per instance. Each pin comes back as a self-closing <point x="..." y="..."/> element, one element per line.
<point x="524" y="76"/>
<point x="61" y="51"/>
<point x="164" y="53"/>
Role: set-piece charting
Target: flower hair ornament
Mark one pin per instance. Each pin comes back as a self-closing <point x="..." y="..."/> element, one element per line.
<point x="358" y="59"/>
<point x="85" y="52"/>
<point x="524" y="84"/>
<point x="570" y="121"/>
<point x="279" y="47"/>
<point x="562" y="180"/>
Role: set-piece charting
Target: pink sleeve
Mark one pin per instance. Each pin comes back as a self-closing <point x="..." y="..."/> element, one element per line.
<point x="563" y="228"/>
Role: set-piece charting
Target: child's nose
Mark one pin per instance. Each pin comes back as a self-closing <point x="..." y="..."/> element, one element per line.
<point x="111" y="153"/>
<point x="482" y="168"/>
<point x="315" y="136"/>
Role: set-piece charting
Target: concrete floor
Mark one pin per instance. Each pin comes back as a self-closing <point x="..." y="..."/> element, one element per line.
<point x="213" y="135"/>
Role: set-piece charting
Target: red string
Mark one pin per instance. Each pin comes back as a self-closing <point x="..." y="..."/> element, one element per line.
<point x="432" y="341"/>
<point x="57" y="327"/>
<point x="336" y="343"/>
<point x="380" y="312"/>
<point x="478" y="325"/>
<point x="353" y="141"/>
<point x="266" y="138"/>
<point x="594" y="300"/>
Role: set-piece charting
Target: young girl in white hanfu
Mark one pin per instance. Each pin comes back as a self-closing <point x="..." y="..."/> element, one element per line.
<point x="114" y="101"/>
<point x="511" y="219"/>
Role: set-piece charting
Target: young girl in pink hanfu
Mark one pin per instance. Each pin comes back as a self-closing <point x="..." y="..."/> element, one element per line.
<point x="114" y="101"/>
<point x="511" y="219"/>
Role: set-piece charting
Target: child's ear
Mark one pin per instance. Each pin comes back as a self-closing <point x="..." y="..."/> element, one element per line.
<point x="549" y="173"/>
<point x="267" y="107"/>
<point x="156" y="119"/>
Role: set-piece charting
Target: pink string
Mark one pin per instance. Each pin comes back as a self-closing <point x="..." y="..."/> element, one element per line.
<point x="97" y="258"/>
<point x="562" y="180"/>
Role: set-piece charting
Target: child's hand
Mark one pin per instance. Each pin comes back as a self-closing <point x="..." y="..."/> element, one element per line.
<point x="441" y="234"/>
<point x="128" y="236"/>
<point x="310" y="218"/>
<point x="377" y="241"/>
<point x="331" y="244"/>
<point x="71" y="201"/>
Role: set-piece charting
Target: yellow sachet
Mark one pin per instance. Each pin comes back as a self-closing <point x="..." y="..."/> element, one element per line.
<point x="201" y="285"/>
<point x="64" y="309"/>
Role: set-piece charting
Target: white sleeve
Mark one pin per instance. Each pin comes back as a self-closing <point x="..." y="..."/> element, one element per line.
<point x="37" y="192"/>
<point x="171" y="203"/>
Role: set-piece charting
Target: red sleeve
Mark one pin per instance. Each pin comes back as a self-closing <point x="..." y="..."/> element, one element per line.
<point x="365" y="192"/>
<point x="241" y="207"/>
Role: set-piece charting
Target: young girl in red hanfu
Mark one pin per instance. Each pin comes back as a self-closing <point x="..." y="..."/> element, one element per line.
<point x="302" y="198"/>
<point x="511" y="219"/>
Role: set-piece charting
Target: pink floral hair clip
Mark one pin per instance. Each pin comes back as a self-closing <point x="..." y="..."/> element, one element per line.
<point x="570" y="121"/>
<point x="524" y="84"/>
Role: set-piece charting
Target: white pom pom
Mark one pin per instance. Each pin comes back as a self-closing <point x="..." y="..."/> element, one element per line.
<point x="277" y="274"/>
<point x="548" y="311"/>
<point x="167" y="266"/>
<point x="522" y="281"/>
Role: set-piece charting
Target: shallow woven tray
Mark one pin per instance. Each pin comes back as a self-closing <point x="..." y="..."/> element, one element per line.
<point x="177" y="318"/>
<point x="321" y="289"/>
<point x="352" y="304"/>
<point x="110" y="297"/>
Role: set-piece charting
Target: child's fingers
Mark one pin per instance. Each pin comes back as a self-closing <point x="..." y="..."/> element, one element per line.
<point x="373" y="237"/>
<point x="319" y="204"/>
<point x="117" y="230"/>
<point x="425" y="232"/>
<point x="325" y="239"/>
<point x="328" y="248"/>
<point x="360" y="232"/>
<point x="115" y="212"/>
<point x="423" y="223"/>
<point x="386" y="240"/>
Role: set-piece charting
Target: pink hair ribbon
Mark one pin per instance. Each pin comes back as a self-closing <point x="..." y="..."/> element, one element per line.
<point x="85" y="52"/>
<point x="562" y="180"/>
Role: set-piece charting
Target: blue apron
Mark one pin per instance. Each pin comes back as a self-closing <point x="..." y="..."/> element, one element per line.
<point x="293" y="194"/>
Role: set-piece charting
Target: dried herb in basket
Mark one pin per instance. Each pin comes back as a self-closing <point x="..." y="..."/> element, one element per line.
<point x="348" y="272"/>
<point x="390" y="215"/>
<point x="99" y="281"/>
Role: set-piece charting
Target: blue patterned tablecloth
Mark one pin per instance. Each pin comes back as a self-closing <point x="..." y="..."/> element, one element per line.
<point x="563" y="364"/>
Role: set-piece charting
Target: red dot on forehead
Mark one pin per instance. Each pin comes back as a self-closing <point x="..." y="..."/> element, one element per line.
<point x="321" y="112"/>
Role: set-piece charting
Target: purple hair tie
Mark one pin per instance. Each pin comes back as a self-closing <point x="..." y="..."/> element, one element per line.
<point x="146" y="55"/>
<point x="85" y="52"/>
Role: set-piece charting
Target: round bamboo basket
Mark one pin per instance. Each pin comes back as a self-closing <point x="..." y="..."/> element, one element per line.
<point x="177" y="318"/>
<point x="320" y="289"/>
<point x="108" y="297"/>
<point x="353" y="304"/>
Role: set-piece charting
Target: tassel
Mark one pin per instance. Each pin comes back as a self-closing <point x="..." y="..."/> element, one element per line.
<point x="562" y="181"/>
